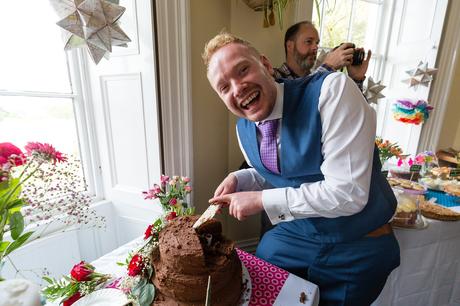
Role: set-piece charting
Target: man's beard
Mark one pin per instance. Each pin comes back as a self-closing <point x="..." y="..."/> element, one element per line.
<point x="302" y="61"/>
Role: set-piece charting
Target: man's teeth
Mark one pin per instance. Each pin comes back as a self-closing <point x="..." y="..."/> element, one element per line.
<point x="249" y="99"/>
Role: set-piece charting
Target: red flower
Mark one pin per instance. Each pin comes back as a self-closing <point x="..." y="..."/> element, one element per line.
<point x="9" y="152"/>
<point x="81" y="272"/>
<point x="172" y="215"/>
<point x="148" y="231"/>
<point x="135" y="265"/>
<point x="45" y="151"/>
<point x="72" y="299"/>
<point x="173" y="201"/>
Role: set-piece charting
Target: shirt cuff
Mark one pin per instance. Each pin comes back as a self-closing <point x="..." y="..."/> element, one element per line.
<point x="327" y="67"/>
<point x="275" y="205"/>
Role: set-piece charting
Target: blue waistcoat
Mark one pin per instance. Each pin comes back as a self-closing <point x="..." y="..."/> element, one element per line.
<point x="301" y="158"/>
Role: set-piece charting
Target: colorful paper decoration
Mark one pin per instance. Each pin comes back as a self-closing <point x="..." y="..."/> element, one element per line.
<point x="92" y="23"/>
<point x="373" y="91"/>
<point x="422" y="75"/>
<point x="409" y="112"/>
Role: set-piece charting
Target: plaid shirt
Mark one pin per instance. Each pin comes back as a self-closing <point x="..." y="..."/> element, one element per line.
<point x="284" y="72"/>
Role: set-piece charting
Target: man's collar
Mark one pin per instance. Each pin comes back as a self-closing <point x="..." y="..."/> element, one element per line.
<point x="277" y="112"/>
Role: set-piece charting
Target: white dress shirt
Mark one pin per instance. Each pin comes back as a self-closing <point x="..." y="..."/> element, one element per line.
<point x="348" y="135"/>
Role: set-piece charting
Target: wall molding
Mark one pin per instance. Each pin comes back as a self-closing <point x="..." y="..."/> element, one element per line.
<point x="174" y="77"/>
<point x="439" y="96"/>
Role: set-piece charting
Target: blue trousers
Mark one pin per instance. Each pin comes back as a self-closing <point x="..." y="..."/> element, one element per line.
<point x="347" y="273"/>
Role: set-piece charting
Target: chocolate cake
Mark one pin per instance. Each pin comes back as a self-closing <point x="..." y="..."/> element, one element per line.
<point x="184" y="260"/>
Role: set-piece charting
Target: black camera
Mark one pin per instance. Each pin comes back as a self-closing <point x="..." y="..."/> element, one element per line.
<point x="358" y="55"/>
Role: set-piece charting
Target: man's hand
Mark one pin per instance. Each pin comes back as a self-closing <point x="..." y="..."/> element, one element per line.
<point x="358" y="73"/>
<point x="241" y="204"/>
<point x="340" y="57"/>
<point x="227" y="186"/>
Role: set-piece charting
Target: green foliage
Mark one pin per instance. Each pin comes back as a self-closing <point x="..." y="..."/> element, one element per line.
<point x="63" y="288"/>
<point x="144" y="291"/>
<point x="11" y="217"/>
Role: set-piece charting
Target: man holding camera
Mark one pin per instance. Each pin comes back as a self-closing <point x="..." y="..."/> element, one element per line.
<point x="301" y="46"/>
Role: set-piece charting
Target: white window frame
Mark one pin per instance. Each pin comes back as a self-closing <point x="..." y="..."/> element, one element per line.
<point x="84" y="121"/>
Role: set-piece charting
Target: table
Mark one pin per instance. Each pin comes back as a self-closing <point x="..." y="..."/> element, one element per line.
<point x="270" y="285"/>
<point x="429" y="273"/>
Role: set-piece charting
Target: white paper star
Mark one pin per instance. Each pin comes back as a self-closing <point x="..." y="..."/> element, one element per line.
<point x="422" y="75"/>
<point x="373" y="89"/>
<point x="91" y="22"/>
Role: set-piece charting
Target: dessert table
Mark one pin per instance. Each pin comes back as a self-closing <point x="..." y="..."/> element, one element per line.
<point x="429" y="273"/>
<point x="270" y="285"/>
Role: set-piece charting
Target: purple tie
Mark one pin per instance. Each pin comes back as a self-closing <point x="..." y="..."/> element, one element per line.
<point x="268" y="146"/>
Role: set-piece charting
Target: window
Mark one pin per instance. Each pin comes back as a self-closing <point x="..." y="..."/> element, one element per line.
<point x="356" y="21"/>
<point x="40" y="91"/>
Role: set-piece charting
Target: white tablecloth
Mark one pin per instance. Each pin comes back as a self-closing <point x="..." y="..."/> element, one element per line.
<point x="289" y="294"/>
<point x="429" y="273"/>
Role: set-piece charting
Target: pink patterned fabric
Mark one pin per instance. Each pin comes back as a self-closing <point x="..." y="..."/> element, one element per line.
<point x="266" y="279"/>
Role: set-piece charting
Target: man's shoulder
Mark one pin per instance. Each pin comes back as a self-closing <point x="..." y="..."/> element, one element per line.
<point x="283" y="72"/>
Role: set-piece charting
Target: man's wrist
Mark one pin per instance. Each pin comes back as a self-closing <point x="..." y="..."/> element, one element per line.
<point x="328" y="67"/>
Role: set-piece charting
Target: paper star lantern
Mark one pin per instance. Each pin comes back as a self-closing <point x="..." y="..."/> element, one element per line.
<point x="92" y="23"/>
<point x="373" y="91"/>
<point x="421" y="75"/>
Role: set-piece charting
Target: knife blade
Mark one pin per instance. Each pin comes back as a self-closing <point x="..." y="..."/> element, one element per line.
<point x="208" y="292"/>
<point x="208" y="214"/>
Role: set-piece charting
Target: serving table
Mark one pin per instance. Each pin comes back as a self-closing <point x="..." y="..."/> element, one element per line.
<point x="429" y="273"/>
<point x="270" y="285"/>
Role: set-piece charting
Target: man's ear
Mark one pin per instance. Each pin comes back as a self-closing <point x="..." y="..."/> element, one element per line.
<point x="289" y="46"/>
<point x="266" y="62"/>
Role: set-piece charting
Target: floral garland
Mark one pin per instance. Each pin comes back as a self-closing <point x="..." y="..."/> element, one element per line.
<point x="82" y="281"/>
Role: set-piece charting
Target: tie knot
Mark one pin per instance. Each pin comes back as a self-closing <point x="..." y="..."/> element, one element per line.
<point x="268" y="127"/>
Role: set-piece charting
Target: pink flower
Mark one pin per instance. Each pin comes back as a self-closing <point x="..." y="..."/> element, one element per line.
<point x="186" y="179"/>
<point x="188" y="189"/>
<point x="149" y="195"/>
<point x="420" y="159"/>
<point x="410" y="162"/>
<point x="156" y="189"/>
<point x="152" y="193"/>
<point x="45" y="151"/>
<point x="164" y="179"/>
<point x="10" y="153"/>
<point x="400" y="162"/>
<point x="135" y="265"/>
<point x="173" y="201"/>
<point x="171" y="216"/>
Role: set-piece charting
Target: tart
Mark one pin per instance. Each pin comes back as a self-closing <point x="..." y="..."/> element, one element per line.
<point x="434" y="211"/>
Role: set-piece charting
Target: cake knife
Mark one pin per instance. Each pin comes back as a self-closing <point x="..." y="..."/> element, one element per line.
<point x="208" y="214"/>
<point x="208" y="292"/>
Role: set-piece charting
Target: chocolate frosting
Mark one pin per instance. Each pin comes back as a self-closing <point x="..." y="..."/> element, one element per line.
<point x="187" y="257"/>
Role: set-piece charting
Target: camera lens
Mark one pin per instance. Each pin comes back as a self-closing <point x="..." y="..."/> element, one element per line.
<point x="358" y="57"/>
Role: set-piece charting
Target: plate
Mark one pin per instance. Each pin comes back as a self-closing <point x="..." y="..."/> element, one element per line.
<point x="104" y="297"/>
<point x="246" y="295"/>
